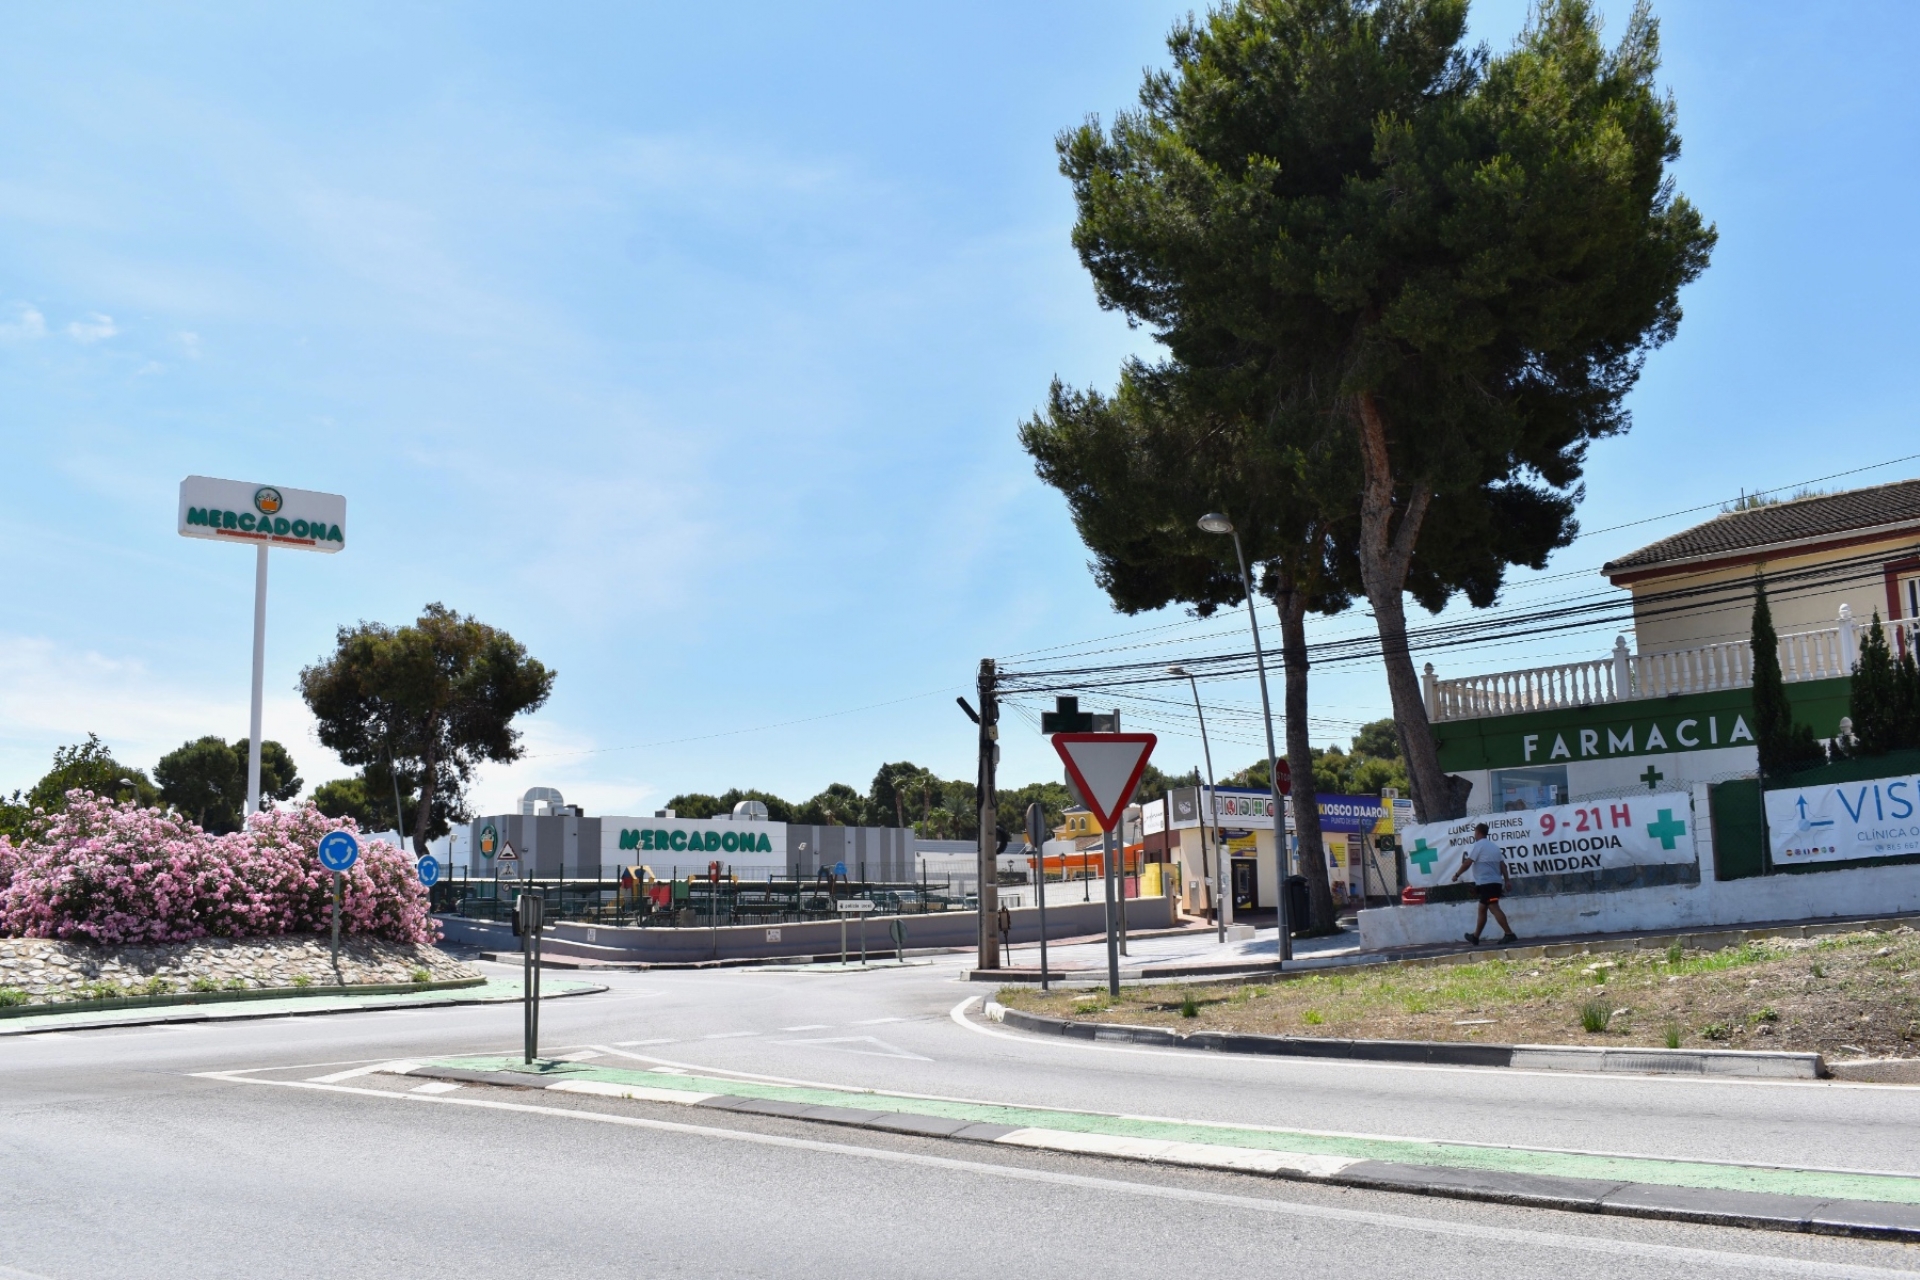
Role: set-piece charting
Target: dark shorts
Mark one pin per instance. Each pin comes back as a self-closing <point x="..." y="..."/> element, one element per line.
<point x="1488" y="892"/>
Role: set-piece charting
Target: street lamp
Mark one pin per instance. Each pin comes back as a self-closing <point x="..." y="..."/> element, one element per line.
<point x="1215" y="522"/>
<point x="1220" y="921"/>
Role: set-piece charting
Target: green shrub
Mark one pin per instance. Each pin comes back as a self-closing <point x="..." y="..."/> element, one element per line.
<point x="157" y="986"/>
<point x="1189" y="1007"/>
<point x="1673" y="1035"/>
<point x="236" y="984"/>
<point x="1312" y="1018"/>
<point x="1819" y="972"/>
<point x="1766" y="1015"/>
<point x="11" y="996"/>
<point x="422" y="974"/>
<point x="1673" y="953"/>
<point x="203" y="983"/>
<point x="99" y="991"/>
<point x="1595" y="1015"/>
<point x="1097" y="1004"/>
<point x="1716" y="1031"/>
<point x="302" y="980"/>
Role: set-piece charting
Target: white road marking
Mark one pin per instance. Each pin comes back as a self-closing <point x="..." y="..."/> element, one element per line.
<point x="808" y="1026"/>
<point x="874" y="1022"/>
<point x="390" y="1066"/>
<point x="729" y="1035"/>
<point x="1678" y="1259"/>
<point x="873" y="1047"/>
<point x="436" y="1086"/>
<point x="639" y="1092"/>
<point x="634" y="1043"/>
<point x="957" y="1013"/>
<point x="580" y="1055"/>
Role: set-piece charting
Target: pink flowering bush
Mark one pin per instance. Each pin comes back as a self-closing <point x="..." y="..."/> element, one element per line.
<point x="116" y="873"/>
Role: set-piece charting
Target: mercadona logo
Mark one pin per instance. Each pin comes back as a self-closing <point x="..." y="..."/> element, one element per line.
<point x="267" y="501"/>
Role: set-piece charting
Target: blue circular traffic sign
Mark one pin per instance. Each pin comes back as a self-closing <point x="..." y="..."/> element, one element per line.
<point x="429" y="868"/>
<point x="339" y="850"/>
<point x="840" y="869"/>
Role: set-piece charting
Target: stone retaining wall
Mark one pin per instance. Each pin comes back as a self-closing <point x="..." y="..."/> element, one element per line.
<point x="51" y="971"/>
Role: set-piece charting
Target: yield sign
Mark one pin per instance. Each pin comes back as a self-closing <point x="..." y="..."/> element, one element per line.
<point x="1106" y="767"/>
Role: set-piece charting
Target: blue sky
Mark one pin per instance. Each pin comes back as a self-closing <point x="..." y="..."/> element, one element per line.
<point x="689" y="344"/>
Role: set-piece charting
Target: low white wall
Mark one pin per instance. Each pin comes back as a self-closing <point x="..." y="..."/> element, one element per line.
<point x="1864" y="891"/>
<point x="1710" y="904"/>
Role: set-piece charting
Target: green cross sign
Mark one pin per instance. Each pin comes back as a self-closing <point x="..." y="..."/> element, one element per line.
<point x="1666" y="829"/>
<point x="1425" y="854"/>
<point x="1652" y="778"/>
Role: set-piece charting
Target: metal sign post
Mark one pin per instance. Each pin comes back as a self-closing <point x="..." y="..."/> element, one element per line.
<point x="529" y="912"/>
<point x="1105" y="768"/>
<point x="854" y="907"/>
<point x="338" y="852"/>
<point x="1036" y="836"/>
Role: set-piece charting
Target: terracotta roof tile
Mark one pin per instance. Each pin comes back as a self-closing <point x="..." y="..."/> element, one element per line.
<point x="1800" y="520"/>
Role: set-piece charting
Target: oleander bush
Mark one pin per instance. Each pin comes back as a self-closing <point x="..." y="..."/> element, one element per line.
<point x="115" y="873"/>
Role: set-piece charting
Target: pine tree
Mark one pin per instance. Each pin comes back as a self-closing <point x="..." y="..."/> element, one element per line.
<point x="1784" y="746"/>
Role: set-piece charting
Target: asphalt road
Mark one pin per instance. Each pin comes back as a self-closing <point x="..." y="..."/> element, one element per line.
<point x="119" y="1158"/>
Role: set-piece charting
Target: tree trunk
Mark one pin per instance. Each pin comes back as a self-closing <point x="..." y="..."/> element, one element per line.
<point x="1292" y="606"/>
<point x="423" y="813"/>
<point x="1386" y="553"/>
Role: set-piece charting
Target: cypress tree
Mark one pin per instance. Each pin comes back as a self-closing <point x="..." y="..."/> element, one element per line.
<point x="1784" y="746"/>
<point x="1877" y="703"/>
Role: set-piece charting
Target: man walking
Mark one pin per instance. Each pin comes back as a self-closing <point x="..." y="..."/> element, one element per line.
<point x="1490" y="878"/>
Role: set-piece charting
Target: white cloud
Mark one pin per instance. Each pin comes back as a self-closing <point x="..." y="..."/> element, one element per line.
<point x="94" y="328"/>
<point x="53" y="694"/>
<point x="189" y="343"/>
<point x="27" y="325"/>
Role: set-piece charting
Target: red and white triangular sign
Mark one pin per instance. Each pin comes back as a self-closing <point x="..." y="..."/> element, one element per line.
<point x="1106" y="767"/>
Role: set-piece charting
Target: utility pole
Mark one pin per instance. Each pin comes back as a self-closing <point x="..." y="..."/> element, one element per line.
<point x="989" y="895"/>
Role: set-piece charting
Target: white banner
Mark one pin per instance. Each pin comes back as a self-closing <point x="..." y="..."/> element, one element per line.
<point x="1877" y="818"/>
<point x="1593" y="836"/>
<point x="241" y="511"/>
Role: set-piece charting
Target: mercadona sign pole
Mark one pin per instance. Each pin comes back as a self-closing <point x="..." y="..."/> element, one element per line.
<point x="266" y="516"/>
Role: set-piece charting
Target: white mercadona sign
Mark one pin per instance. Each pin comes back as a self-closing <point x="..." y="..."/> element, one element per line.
<point x="1841" y="821"/>
<point x="1597" y="835"/>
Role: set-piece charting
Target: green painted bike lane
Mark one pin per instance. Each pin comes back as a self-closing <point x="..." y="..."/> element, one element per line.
<point x="1762" y="1179"/>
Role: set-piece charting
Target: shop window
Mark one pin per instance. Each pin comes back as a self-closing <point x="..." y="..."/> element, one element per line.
<point x="1537" y="788"/>
<point x="1910" y="596"/>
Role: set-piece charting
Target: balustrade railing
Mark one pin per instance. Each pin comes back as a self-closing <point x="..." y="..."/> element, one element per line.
<point x="1817" y="654"/>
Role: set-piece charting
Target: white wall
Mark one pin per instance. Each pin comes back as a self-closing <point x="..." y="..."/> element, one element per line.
<point x="1826" y="895"/>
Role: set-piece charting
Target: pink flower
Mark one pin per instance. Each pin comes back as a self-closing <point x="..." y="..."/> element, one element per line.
<point x="116" y="873"/>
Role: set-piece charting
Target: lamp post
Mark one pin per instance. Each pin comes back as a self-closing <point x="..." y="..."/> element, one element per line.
<point x="1215" y="522"/>
<point x="1219" y="921"/>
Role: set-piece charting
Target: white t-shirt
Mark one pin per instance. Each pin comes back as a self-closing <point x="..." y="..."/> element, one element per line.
<point x="1488" y="867"/>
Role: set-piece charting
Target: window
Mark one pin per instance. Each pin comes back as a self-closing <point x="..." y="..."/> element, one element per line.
<point x="1537" y="788"/>
<point x="1910" y="596"/>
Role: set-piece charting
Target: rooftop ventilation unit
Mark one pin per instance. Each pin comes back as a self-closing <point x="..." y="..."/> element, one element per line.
<point x="750" y="811"/>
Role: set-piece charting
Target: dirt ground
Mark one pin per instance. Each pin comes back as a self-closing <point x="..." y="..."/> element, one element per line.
<point x="1845" y="995"/>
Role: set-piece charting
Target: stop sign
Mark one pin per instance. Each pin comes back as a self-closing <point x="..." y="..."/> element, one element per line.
<point x="1284" y="772"/>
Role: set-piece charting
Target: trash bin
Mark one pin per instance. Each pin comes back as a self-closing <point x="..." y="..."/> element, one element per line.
<point x="1299" y="909"/>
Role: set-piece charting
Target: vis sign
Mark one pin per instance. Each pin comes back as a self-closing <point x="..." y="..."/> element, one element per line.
<point x="1877" y="818"/>
<point x="262" y="514"/>
<point x="1597" y="835"/>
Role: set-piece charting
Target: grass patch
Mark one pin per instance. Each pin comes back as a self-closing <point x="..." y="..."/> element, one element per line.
<point x="1595" y="1015"/>
<point x="11" y="996"/>
<point x="420" y="974"/>
<point x="302" y="980"/>
<point x="1862" y="998"/>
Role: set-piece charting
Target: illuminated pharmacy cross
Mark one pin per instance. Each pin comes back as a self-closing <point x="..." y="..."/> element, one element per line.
<point x="1666" y="829"/>
<point x="1652" y="778"/>
<point x="1424" y="854"/>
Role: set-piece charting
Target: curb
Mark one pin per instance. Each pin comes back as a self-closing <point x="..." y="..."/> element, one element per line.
<point x="1531" y="1057"/>
<point x="161" y="1019"/>
<point x="177" y="998"/>
<point x="1817" y="1215"/>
